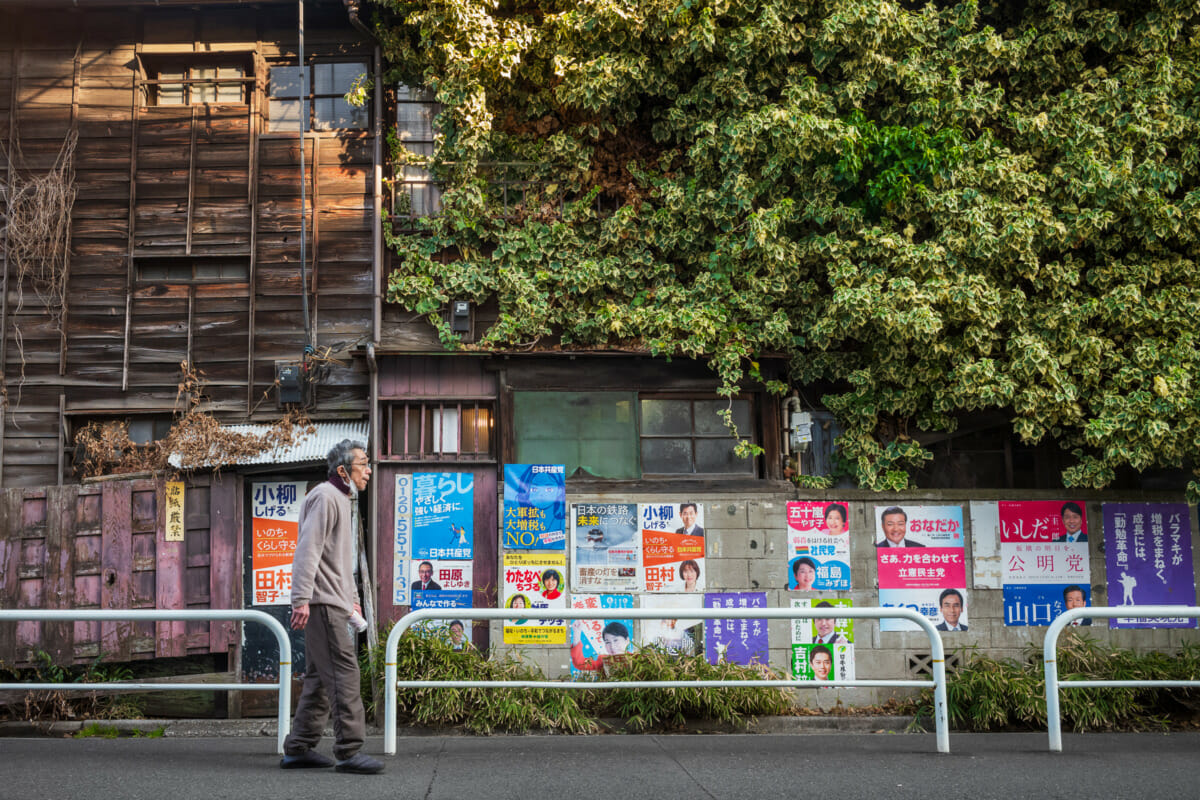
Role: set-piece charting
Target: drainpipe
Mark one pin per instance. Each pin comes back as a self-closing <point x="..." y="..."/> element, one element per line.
<point x="308" y="338"/>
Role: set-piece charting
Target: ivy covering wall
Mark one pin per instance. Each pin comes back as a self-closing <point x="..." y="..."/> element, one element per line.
<point x="933" y="208"/>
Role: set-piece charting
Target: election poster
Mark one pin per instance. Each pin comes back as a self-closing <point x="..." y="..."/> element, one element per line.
<point x="1148" y="553"/>
<point x="443" y="512"/>
<point x="1043" y="558"/>
<point x="593" y="641"/>
<point x="607" y="544"/>
<point x="675" y="636"/>
<point x="736" y="641"/>
<point x="275" y="527"/>
<point x="402" y="539"/>
<point x="823" y="662"/>
<point x="672" y="546"/>
<point x="535" y="506"/>
<point x="441" y="584"/>
<point x="818" y="547"/>
<point x="837" y="630"/>
<point x="922" y="565"/>
<point x="535" y="580"/>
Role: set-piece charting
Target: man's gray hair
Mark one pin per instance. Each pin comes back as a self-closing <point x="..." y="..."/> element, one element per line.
<point x="342" y="455"/>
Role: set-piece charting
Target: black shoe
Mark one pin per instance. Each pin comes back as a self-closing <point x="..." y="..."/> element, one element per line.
<point x="309" y="759"/>
<point x="361" y="764"/>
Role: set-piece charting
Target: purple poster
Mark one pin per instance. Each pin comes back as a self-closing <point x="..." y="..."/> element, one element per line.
<point x="736" y="641"/>
<point x="1148" y="550"/>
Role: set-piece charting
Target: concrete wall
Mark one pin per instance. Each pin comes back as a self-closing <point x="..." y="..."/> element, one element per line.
<point x="746" y="540"/>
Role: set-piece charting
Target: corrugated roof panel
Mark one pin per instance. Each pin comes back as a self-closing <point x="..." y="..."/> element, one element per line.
<point x="309" y="449"/>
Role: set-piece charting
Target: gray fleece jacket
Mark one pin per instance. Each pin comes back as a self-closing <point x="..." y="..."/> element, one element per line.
<point x="323" y="569"/>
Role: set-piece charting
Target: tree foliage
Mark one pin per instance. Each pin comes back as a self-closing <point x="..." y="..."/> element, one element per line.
<point x="936" y="208"/>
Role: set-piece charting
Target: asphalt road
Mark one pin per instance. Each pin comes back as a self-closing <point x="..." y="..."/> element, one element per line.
<point x="755" y="767"/>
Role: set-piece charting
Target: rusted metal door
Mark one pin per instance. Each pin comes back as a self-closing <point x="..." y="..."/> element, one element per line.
<point x="103" y="545"/>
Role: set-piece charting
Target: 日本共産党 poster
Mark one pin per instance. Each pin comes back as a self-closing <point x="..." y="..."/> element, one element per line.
<point x="607" y="545"/>
<point x="823" y="662"/>
<point x="1148" y="553"/>
<point x="922" y="565"/>
<point x="1043" y="557"/>
<point x="672" y="546"/>
<point x="677" y="636"/>
<point x="275" y="527"/>
<point x="535" y="506"/>
<point x="441" y="584"/>
<point x="818" y="547"/>
<point x="535" y="580"/>
<point x="593" y="641"/>
<point x="443" y="513"/>
<point x="736" y="641"/>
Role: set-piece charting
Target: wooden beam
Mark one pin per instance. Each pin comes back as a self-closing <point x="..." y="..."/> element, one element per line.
<point x="253" y="128"/>
<point x="131" y="268"/>
<point x="12" y="138"/>
<point x="191" y="200"/>
<point x="64" y="317"/>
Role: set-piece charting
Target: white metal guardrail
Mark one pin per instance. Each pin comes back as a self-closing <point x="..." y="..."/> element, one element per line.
<point x="1050" y="651"/>
<point x="153" y="614"/>
<point x="392" y="684"/>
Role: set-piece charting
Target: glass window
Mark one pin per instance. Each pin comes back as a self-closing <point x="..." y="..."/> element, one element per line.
<point x="434" y="431"/>
<point x="199" y="84"/>
<point x="689" y="437"/>
<point x="592" y="433"/>
<point x="323" y="105"/>
<point x="184" y="269"/>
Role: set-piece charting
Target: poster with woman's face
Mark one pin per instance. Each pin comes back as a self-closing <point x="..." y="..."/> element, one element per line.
<point x="672" y="546"/>
<point x="818" y="547"/>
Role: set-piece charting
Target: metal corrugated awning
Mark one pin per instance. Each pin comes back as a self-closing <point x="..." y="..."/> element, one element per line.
<point x="311" y="448"/>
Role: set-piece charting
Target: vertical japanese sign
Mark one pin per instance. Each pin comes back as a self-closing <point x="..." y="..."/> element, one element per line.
<point x="402" y="539"/>
<point x="736" y="641"/>
<point x="922" y="564"/>
<point x="274" y="526"/>
<point x="818" y="547"/>
<point x="607" y="546"/>
<point x="1043" y="557"/>
<point x="672" y="546"/>
<point x="535" y="506"/>
<point x="675" y="636"/>
<point x="593" y="641"/>
<point x="535" y="580"/>
<point x="443" y="510"/>
<point x="1148" y="552"/>
<point x="174" y="494"/>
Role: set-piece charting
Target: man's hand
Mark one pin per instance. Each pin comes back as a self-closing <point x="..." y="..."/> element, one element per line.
<point x="299" y="617"/>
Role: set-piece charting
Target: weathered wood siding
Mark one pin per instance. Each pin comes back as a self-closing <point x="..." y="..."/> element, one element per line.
<point x="104" y="546"/>
<point x="202" y="180"/>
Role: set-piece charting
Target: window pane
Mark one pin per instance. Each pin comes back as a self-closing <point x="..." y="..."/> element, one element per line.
<point x="444" y="422"/>
<point x="229" y="93"/>
<point x="414" y="121"/>
<point x="208" y="269"/>
<point x="285" y="82"/>
<point x="716" y="455"/>
<point x="334" y="113"/>
<point x="672" y="456"/>
<point x="593" y="432"/>
<point x="285" y="115"/>
<point x="708" y="416"/>
<point x="170" y="94"/>
<point x="141" y="431"/>
<point x="666" y="417"/>
<point x="322" y="79"/>
<point x="344" y="75"/>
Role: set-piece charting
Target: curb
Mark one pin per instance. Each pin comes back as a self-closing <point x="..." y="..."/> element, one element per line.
<point x="220" y="728"/>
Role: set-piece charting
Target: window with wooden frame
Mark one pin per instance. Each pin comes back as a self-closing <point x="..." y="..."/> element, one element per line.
<point x="688" y="436"/>
<point x="439" y="430"/>
<point x="323" y="106"/>
<point x="197" y="79"/>
<point x="191" y="269"/>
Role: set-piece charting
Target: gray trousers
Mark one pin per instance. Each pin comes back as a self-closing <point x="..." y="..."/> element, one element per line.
<point x="331" y="682"/>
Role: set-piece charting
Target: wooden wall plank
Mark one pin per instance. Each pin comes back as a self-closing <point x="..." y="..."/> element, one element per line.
<point x="59" y="587"/>
<point x="170" y="636"/>
<point x="225" y="549"/>
<point x="10" y="555"/>
<point x="116" y="563"/>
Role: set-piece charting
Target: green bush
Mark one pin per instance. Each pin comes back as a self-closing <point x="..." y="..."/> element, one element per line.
<point x="52" y="705"/>
<point x="989" y="694"/>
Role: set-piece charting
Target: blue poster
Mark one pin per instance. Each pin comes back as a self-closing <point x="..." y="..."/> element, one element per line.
<point x="736" y="641"/>
<point x="1040" y="603"/>
<point x="443" y="514"/>
<point x="535" y="506"/>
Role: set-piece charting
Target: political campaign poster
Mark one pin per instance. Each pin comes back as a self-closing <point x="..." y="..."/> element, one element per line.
<point x="672" y="547"/>
<point x="818" y="547"/>
<point x="736" y="641"/>
<point x="275" y="527"/>
<point x="593" y="641"/>
<point x="402" y="539"/>
<point x="443" y="513"/>
<point x="920" y="555"/>
<point x="535" y="506"/>
<point x="1148" y="552"/>
<point x="823" y="662"/>
<point x="441" y="584"/>
<point x="838" y="630"/>
<point x="535" y="580"/>
<point x="676" y="636"/>
<point x="607" y="544"/>
<point x="1043" y="553"/>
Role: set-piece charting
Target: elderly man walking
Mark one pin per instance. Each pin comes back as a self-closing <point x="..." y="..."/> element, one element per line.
<point x="323" y="600"/>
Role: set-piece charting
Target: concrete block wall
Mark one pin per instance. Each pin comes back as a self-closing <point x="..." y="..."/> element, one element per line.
<point x="746" y="550"/>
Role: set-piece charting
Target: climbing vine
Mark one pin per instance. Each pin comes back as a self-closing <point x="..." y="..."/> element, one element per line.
<point x="931" y="209"/>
